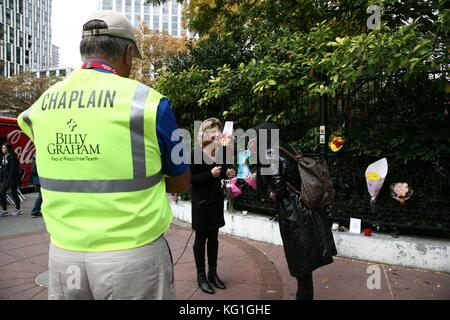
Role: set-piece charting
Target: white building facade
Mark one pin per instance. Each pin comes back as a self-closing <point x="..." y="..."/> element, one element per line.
<point x="163" y="18"/>
<point x="55" y="57"/>
<point x="62" y="72"/>
<point x="25" y="35"/>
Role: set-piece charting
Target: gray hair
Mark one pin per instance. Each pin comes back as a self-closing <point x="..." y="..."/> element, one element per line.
<point x="102" y="46"/>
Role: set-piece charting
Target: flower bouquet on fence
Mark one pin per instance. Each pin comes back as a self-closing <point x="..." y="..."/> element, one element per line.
<point x="375" y="175"/>
<point x="337" y="142"/>
<point x="401" y="192"/>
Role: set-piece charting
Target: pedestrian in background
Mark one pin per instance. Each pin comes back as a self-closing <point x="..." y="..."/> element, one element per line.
<point x="36" y="211"/>
<point x="9" y="179"/>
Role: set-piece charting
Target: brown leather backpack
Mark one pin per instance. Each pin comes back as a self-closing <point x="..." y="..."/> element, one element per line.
<point x="317" y="187"/>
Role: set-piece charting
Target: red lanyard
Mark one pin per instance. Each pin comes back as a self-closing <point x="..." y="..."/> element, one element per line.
<point x="98" y="65"/>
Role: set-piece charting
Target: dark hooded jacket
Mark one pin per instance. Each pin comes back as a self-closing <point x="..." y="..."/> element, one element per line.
<point x="307" y="238"/>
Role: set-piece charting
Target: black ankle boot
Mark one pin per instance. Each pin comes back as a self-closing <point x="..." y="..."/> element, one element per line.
<point x="215" y="280"/>
<point x="204" y="284"/>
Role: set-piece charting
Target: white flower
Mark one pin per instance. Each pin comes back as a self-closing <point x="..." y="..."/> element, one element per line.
<point x="401" y="189"/>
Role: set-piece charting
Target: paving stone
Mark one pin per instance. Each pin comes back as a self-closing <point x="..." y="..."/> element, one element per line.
<point x="250" y="269"/>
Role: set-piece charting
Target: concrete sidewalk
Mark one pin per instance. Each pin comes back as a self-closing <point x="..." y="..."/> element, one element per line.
<point x="251" y="270"/>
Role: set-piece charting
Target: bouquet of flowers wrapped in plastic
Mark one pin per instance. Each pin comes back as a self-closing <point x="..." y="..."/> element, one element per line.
<point x="401" y="192"/>
<point x="227" y="133"/>
<point x="337" y="142"/>
<point x="244" y="171"/>
<point x="232" y="191"/>
<point x="375" y="176"/>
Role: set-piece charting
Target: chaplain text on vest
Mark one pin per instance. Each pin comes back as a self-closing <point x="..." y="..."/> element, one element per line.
<point x="78" y="99"/>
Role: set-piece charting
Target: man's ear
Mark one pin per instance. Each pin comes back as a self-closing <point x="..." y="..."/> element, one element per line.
<point x="128" y="56"/>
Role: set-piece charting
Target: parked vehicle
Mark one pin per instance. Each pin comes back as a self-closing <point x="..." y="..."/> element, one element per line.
<point x="24" y="147"/>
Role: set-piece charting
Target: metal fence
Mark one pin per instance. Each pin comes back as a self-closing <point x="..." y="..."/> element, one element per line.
<point x="427" y="213"/>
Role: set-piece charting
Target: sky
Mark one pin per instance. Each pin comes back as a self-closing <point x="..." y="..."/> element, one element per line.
<point x="67" y="19"/>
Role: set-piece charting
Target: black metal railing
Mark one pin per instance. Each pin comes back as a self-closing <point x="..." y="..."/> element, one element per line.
<point x="394" y="103"/>
<point x="426" y="213"/>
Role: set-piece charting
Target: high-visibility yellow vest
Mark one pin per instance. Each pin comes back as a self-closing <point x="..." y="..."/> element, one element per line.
<point x="99" y="162"/>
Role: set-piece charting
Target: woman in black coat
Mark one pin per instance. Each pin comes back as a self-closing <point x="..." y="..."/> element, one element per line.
<point x="9" y="179"/>
<point x="207" y="203"/>
<point x="307" y="238"/>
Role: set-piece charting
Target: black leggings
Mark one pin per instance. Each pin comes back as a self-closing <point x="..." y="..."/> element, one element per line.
<point x="305" y="289"/>
<point x="212" y="248"/>
<point x="14" y="195"/>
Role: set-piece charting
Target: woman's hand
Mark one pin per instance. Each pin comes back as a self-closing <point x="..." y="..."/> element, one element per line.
<point x="216" y="171"/>
<point x="231" y="173"/>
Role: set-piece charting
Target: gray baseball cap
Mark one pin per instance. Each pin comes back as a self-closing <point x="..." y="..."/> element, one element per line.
<point x="118" y="26"/>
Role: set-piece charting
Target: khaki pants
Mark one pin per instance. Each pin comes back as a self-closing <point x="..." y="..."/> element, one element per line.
<point x="142" y="273"/>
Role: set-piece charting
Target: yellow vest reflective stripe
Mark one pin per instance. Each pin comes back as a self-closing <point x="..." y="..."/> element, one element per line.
<point x="100" y="186"/>
<point x="137" y="130"/>
<point x="26" y="119"/>
<point x="99" y="163"/>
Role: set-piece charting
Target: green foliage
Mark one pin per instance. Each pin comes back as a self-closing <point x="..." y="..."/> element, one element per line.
<point x="406" y="121"/>
<point x="159" y="2"/>
<point x="186" y="88"/>
<point x="270" y="60"/>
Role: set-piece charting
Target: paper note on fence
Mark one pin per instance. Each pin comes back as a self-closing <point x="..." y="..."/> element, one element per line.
<point x="355" y="225"/>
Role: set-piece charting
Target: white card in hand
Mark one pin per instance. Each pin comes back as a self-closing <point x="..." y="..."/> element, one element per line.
<point x="227" y="133"/>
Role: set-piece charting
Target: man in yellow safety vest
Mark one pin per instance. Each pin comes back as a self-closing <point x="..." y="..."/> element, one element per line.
<point x="103" y="151"/>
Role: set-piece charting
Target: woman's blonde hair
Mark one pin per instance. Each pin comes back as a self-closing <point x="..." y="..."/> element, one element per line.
<point x="207" y="124"/>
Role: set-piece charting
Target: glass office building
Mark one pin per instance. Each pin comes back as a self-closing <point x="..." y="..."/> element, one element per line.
<point x="25" y="35"/>
<point x="54" y="63"/>
<point x="164" y="18"/>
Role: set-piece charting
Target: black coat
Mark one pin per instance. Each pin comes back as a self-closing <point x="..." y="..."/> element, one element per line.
<point x="9" y="171"/>
<point x="307" y="238"/>
<point x="207" y="197"/>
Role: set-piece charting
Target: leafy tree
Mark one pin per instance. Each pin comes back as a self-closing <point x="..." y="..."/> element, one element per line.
<point x="156" y="49"/>
<point x="252" y="58"/>
<point x="21" y="91"/>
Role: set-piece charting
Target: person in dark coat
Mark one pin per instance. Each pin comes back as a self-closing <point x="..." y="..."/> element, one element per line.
<point x="207" y="203"/>
<point x="306" y="234"/>
<point x="9" y="179"/>
<point x="36" y="211"/>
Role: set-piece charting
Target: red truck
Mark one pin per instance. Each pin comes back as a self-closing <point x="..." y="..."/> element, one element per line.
<point x="10" y="132"/>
